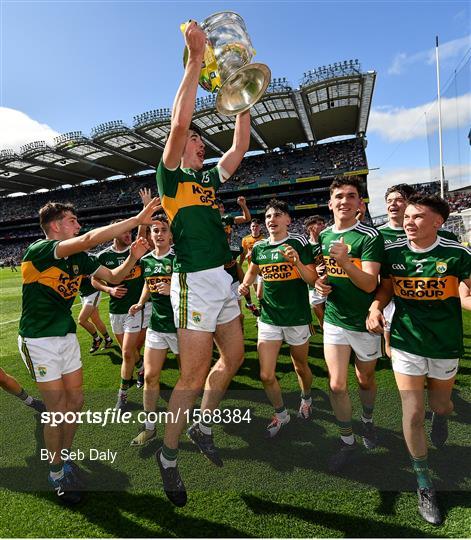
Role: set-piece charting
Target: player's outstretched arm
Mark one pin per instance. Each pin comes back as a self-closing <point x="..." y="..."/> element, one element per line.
<point x="184" y="103"/>
<point x="93" y="238"/>
<point x="240" y="145"/>
<point x="251" y="274"/>
<point x="138" y="248"/>
<point x="246" y="215"/>
<point x="375" y="321"/>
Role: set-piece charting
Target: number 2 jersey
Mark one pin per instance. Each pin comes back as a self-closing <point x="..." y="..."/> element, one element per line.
<point x="347" y="305"/>
<point x="285" y="299"/>
<point x="158" y="270"/>
<point x="428" y="318"/>
<point x="50" y="286"/>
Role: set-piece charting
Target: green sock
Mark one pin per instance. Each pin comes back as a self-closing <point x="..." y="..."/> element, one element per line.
<point x="169" y="454"/>
<point x="345" y="428"/>
<point x="124" y="384"/>
<point x="422" y="472"/>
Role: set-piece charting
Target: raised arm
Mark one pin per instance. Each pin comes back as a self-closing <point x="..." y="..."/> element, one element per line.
<point x="115" y="276"/>
<point x="184" y="103"/>
<point x="240" y="144"/>
<point x="93" y="238"/>
<point x="246" y="216"/>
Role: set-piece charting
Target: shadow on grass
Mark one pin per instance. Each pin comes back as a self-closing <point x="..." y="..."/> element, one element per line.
<point x="348" y="525"/>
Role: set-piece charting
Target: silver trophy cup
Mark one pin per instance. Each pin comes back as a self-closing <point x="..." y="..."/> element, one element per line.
<point x="242" y="84"/>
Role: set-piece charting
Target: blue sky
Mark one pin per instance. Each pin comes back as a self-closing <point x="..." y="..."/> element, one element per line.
<point x="72" y="65"/>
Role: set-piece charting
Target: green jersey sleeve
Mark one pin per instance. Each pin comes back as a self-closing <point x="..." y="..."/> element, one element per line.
<point x="373" y="249"/>
<point x="306" y="254"/>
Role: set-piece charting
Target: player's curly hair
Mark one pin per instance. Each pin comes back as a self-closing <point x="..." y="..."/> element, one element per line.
<point x="312" y="220"/>
<point x="53" y="211"/>
<point x="434" y="202"/>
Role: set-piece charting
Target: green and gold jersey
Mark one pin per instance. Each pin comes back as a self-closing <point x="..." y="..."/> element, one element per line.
<point x="86" y="287"/>
<point x="228" y="224"/>
<point x="285" y="299"/>
<point x="159" y="270"/>
<point x="50" y="286"/>
<point x="391" y="234"/>
<point x="133" y="282"/>
<point x="188" y="198"/>
<point x="231" y="266"/>
<point x="427" y="320"/>
<point x="347" y="305"/>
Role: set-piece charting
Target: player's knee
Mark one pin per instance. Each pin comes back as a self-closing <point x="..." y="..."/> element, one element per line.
<point x="415" y="419"/>
<point x="151" y="380"/>
<point x="365" y="380"/>
<point x="75" y="402"/>
<point x="442" y="409"/>
<point x="338" y="387"/>
<point x="267" y="377"/>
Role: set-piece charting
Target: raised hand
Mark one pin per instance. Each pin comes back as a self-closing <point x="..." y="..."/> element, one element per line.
<point x="145" y="215"/>
<point x="195" y="38"/>
<point x="241" y="200"/>
<point x="145" y="195"/>
<point x="139" y="247"/>
<point x="289" y="254"/>
<point x="339" y="251"/>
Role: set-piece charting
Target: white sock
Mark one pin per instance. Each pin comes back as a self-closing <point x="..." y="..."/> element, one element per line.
<point x="366" y="420"/>
<point x="56" y="475"/>
<point x="28" y="400"/>
<point x="307" y="401"/>
<point x="205" y="429"/>
<point x="348" y="440"/>
<point x="150" y="426"/>
<point x="166" y="463"/>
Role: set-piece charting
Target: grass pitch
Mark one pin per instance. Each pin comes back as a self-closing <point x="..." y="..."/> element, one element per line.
<point x="277" y="488"/>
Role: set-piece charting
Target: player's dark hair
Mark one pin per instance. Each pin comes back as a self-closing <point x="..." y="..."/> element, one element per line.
<point x="196" y="129"/>
<point x="53" y="211"/>
<point x="276" y="204"/>
<point x="161" y="217"/>
<point x="346" y="181"/>
<point x="256" y="221"/>
<point x="404" y="189"/>
<point x="434" y="202"/>
<point x="312" y="220"/>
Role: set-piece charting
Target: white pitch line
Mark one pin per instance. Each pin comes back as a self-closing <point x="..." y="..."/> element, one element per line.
<point x="16" y="320"/>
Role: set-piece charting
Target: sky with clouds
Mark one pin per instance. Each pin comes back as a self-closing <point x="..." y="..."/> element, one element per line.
<point x="70" y="65"/>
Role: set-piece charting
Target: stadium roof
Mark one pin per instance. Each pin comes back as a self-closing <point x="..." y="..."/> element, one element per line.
<point x="330" y="101"/>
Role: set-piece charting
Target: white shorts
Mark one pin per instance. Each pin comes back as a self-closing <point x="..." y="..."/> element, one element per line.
<point x="366" y="346"/>
<point x="315" y="298"/>
<point x="161" y="340"/>
<point x="48" y="358"/>
<point x="235" y="289"/>
<point x="292" y="335"/>
<point x="147" y="314"/>
<point x="388" y="314"/>
<point x="122" y="323"/>
<point x="413" y="364"/>
<point x="202" y="300"/>
<point x="92" y="299"/>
